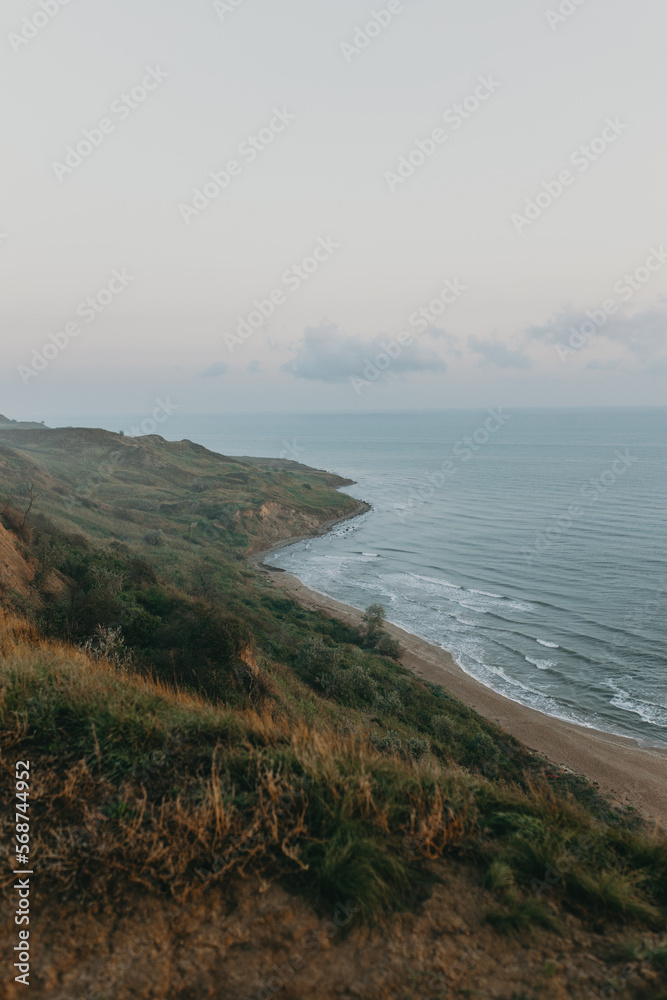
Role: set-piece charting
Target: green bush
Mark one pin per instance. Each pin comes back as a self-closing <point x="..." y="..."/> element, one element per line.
<point x="389" y="704"/>
<point x="155" y="537"/>
<point x="442" y="728"/>
<point x="481" y="751"/>
<point x="386" y="646"/>
<point x="353" y="686"/>
<point x="315" y="656"/>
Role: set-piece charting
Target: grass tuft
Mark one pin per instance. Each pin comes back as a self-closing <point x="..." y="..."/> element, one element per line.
<point x="522" y="917"/>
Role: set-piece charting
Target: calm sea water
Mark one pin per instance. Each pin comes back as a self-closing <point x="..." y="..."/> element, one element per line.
<point x="531" y="544"/>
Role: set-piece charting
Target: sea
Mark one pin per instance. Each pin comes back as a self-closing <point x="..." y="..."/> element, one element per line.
<point x="531" y="544"/>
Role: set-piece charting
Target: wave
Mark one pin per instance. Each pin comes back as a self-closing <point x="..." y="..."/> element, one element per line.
<point x="541" y="664"/>
<point x="654" y="715"/>
<point x="434" y="581"/>
<point x="550" y="645"/>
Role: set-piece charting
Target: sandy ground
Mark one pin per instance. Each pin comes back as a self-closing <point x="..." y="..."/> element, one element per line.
<point x="630" y="774"/>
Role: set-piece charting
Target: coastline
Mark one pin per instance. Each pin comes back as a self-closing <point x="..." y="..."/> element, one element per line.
<point x="629" y="774"/>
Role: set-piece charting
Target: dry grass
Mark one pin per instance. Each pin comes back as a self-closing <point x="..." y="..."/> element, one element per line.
<point x="137" y="783"/>
<point x="262" y="789"/>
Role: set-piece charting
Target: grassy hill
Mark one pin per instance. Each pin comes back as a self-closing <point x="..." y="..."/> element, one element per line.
<point x="7" y="424"/>
<point x="207" y="750"/>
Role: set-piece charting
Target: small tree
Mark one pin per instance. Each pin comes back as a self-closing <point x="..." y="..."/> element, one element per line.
<point x="376" y="637"/>
<point x="374" y="619"/>
<point x="33" y="495"/>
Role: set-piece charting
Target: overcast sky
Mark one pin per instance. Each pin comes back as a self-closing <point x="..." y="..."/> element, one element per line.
<point x="444" y="188"/>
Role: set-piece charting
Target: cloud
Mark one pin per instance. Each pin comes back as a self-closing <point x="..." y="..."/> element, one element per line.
<point x="643" y="334"/>
<point x="253" y="366"/>
<point x="326" y="354"/>
<point x="450" y="340"/>
<point x="494" y="352"/>
<point x="215" y="370"/>
<point x="557" y="329"/>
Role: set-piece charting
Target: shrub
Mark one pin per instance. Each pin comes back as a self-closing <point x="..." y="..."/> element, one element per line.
<point x="390" y="744"/>
<point x="375" y="636"/>
<point x="374" y="618"/>
<point x="108" y="644"/>
<point x="394" y="746"/>
<point x="351" y="687"/>
<point x="481" y="751"/>
<point x="417" y="749"/>
<point x="316" y="656"/>
<point x="389" y="704"/>
<point x="386" y="646"/>
<point x="442" y="728"/>
<point x="154" y="537"/>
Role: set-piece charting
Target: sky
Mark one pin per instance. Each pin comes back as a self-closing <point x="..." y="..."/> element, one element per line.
<point x="332" y="205"/>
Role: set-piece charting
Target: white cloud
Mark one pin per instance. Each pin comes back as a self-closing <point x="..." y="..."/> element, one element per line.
<point x="326" y="354"/>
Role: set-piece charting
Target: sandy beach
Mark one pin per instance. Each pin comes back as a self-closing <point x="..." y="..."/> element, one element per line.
<point x="629" y="774"/>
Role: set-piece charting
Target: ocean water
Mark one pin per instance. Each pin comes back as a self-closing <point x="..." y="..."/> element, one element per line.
<point x="531" y="544"/>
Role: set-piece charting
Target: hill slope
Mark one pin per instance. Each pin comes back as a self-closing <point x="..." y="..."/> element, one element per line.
<point x="260" y="798"/>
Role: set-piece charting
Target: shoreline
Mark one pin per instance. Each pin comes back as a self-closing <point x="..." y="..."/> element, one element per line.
<point x="629" y="774"/>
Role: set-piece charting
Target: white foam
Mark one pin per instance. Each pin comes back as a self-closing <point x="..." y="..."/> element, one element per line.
<point x="541" y="664"/>
<point x="474" y="607"/>
<point x="434" y="581"/>
<point x="551" y="645"/>
<point x="654" y="715"/>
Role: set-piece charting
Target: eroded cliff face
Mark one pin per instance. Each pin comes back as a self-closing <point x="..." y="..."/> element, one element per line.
<point x="273" y="522"/>
<point x="259" y="942"/>
<point x="16" y="573"/>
